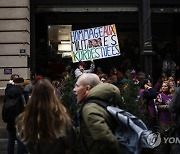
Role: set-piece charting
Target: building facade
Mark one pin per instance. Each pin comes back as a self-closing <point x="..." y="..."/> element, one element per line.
<point x="25" y="46"/>
<point x="14" y="40"/>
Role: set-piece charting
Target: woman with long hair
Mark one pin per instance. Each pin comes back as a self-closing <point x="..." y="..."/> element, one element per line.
<point x="163" y="99"/>
<point x="165" y="118"/>
<point x="45" y="126"/>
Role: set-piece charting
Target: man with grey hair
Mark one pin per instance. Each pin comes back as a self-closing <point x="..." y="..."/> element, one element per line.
<point x="96" y="124"/>
<point x="85" y="82"/>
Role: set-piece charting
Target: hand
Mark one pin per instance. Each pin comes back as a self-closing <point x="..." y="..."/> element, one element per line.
<point x="92" y="61"/>
<point x="159" y="99"/>
<point x="146" y="87"/>
<point x="82" y="69"/>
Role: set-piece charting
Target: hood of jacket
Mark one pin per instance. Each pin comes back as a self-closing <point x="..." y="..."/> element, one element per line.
<point x="106" y="92"/>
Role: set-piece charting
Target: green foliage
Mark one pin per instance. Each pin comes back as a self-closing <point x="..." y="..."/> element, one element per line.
<point x="67" y="96"/>
<point x="130" y="101"/>
<point x="129" y="92"/>
<point x="69" y="101"/>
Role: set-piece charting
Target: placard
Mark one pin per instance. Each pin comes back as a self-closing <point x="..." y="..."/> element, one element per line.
<point x="94" y="43"/>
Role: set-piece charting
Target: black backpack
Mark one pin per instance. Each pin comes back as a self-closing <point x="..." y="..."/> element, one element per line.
<point x="12" y="107"/>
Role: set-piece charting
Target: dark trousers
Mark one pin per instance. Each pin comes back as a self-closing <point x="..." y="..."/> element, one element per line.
<point x="21" y="148"/>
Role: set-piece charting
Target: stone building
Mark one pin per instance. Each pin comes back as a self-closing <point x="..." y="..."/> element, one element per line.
<point x="30" y="31"/>
<point x="14" y="40"/>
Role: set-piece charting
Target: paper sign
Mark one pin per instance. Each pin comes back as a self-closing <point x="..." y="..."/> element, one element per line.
<point x="94" y="43"/>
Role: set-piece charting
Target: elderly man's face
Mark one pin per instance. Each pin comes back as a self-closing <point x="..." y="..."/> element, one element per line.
<point x="80" y="90"/>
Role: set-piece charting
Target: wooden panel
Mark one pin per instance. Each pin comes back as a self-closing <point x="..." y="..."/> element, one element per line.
<point x="14" y="37"/>
<point x="7" y="25"/>
<point x="12" y="3"/>
<point x="14" y="13"/>
<point x="13" y="61"/>
<point x="23" y="72"/>
<point x="14" y="49"/>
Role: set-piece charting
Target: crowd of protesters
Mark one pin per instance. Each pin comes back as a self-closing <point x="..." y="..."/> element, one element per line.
<point x="153" y="100"/>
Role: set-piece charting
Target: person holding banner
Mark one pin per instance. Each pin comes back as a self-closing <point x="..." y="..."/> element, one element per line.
<point x="81" y="68"/>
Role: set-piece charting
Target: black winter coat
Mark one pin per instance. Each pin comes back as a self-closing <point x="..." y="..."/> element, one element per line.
<point x="14" y="92"/>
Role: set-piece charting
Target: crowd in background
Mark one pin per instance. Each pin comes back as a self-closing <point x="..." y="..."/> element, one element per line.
<point x="152" y="96"/>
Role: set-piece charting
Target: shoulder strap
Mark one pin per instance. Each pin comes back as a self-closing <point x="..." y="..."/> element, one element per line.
<point x="99" y="102"/>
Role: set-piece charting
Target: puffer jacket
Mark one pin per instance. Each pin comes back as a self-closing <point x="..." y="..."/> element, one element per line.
<point x="97" y="126"/>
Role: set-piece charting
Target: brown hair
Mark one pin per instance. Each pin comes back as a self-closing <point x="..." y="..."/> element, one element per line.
<point x="44" y="118"/>
<point x="83" y="64"/>
<point x="13" y="76"/>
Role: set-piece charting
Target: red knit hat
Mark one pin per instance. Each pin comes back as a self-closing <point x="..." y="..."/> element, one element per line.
<point x="37" y="78"/>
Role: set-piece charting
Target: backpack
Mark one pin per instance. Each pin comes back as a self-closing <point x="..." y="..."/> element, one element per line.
<point x="131" y="132"/>
<point x="11" y="108"/>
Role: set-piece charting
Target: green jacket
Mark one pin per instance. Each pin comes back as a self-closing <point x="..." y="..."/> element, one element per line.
<point x="97" y="126"/>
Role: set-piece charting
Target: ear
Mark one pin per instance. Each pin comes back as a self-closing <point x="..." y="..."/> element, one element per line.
<point x="88" y="87"/>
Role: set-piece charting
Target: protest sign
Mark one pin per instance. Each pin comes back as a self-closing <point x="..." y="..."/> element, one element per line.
<point x="94" y="43"/>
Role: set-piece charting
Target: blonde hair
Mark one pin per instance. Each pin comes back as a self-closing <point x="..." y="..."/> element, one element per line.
<point x="170" y="89"/>
<point x="44" y="118"/>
